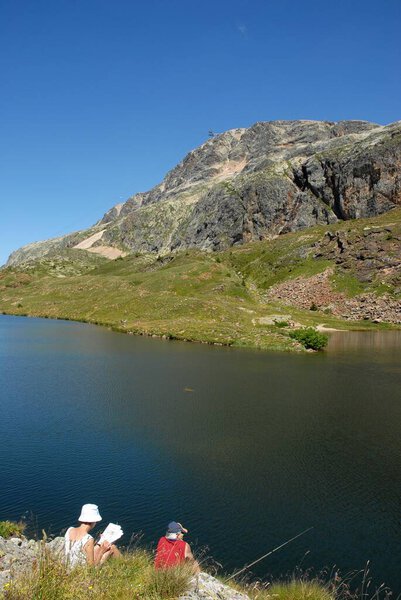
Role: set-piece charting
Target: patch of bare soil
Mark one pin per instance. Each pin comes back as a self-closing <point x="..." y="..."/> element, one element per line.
<point x="107" y="251"/>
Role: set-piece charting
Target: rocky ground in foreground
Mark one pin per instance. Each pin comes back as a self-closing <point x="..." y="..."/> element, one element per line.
<point x="18" y="555"/>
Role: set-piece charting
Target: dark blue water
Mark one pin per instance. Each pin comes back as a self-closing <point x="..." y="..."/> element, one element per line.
<point x="264" y="446"/>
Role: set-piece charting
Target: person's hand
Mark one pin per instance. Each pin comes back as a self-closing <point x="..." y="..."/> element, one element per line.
<point x="105" y="546"/>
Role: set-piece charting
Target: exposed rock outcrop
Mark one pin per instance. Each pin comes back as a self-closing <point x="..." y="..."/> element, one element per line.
<point x="209" y="588"/>
<point x="19" y="554"/>
<point x="250" y="184"/>
<point x="372" y="256"/>
<point x="361" y="180"/>
<point x="363" y="259"/>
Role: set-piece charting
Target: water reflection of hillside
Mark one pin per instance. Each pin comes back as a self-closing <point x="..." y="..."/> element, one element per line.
<point x="366" y="341"/>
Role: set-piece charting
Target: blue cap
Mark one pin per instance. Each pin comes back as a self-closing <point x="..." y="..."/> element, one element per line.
<point x="175" y="527"/>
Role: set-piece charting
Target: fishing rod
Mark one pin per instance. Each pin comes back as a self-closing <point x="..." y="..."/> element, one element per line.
<point x="269" y="553"/>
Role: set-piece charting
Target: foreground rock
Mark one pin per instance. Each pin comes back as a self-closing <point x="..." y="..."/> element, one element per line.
<point x="209" y="588"/>
<point x="18" y="555"/>
<point x="249" y="184"/>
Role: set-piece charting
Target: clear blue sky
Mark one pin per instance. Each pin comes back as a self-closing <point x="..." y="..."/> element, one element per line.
<point x="99" y="98"/>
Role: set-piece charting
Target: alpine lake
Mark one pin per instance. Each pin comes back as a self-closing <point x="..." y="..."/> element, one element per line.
<point x="245" y="448"/>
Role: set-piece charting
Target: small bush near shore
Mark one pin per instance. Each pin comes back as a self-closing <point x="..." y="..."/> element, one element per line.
<point x="130" y="577"/>
<point x="310" y="338"/>
<point x="10" y="529"/>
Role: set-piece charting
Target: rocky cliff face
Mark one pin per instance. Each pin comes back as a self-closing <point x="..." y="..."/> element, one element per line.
<point x="251" y="184"/>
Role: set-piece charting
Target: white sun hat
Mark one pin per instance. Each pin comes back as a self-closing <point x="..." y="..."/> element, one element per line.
<point x="89" y="514"/>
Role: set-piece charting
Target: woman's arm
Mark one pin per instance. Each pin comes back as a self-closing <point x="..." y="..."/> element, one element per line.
<point x="89" y="549"/>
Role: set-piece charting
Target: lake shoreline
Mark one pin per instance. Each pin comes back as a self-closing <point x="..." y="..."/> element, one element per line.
<point x="290" y="347"/>
<point x="29" y="564"/>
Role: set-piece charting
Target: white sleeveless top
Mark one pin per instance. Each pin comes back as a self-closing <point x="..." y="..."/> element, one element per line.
<point x="74" y="550"/>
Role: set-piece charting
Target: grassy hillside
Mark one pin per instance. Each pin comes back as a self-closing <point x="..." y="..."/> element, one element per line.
<point x="225" y="297"/>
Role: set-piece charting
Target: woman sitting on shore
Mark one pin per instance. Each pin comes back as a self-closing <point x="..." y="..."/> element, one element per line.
<point x="80" y="547"/>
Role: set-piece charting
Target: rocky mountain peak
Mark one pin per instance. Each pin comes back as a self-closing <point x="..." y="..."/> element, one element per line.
<point x="249" y="184"/>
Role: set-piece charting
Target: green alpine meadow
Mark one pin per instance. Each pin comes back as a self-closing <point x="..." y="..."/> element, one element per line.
<point x="254" y="295"/>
